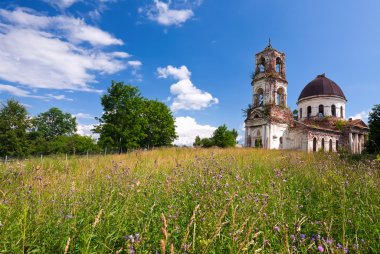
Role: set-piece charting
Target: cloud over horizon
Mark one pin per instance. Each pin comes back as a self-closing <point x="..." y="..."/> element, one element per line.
<point x="186" y="95"/>
<point x="55" y="52"/>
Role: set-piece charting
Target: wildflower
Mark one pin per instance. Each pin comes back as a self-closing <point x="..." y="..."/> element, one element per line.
<point x="303" y="236"/>
<point x="329" y="241"/>
<point x="339" y="246"/>
<point x="292" y="237"/>
<point x="320" y="248"/>
<point x="277" y="229"/>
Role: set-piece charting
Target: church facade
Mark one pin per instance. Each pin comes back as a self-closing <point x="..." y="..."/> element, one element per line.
<point x="320" y="123"/>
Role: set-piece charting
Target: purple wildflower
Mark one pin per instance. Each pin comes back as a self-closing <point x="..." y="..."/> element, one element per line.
<point x="277" y="229"/>
<point x="320" y="248"/>
<point x="303" y="236"/>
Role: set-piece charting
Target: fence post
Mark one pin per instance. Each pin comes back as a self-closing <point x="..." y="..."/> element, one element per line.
<point x="6" y="159"/>
<point x="87" y="154"/>
<point x="41" y="157"/>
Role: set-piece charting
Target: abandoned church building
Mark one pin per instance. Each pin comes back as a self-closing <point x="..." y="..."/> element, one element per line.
<point x="320" y="122"/>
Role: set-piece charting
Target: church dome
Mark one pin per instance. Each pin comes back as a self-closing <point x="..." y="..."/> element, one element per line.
<point x="321" y="86"/>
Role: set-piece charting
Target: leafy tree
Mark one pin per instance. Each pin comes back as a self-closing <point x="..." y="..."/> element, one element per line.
<point x="131" y="121"/>
<point x="295" y="114"/>
<point x="74" y="144"/>
<point x="373" y="144"/>
<point x="222" y="137"/>
<point x="158" y="126"/>
<point x="197" y="142"/>
<point x="53" y="123"/>
<point x="14" y="123"/>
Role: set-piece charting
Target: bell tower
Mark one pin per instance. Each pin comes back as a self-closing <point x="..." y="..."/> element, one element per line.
<point x="269" y="85"/>
<point x="268" y="116"/>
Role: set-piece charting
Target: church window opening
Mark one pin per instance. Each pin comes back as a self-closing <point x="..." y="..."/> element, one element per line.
<point x="256" y="116"/>
<point x="300" y="113"/>
<point x="330" y="146"/>
<point x="323" y="144"/>
<point x="341" y="111"/>
<point x="249" y="141"/>
<point x="336" y="145"/>
<point x="280" y="97"/>
<point x="278" y="65"/>
<point x="321" y="110"/>
<point x="333" y="110"/>
<point x="308" y="111"/>
<point x="260" y="97"/>
<point x="314" y="144"/>
<point x="262" y="65"/>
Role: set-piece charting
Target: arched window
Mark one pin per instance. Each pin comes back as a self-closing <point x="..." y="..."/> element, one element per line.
<point x="249" y="141"/>
<point x="262" y="65"/>
<point x="278" y="65"/>
<point x="341" y="111"/>
<point x="321" y="110"/>
<point x="300" y="113"/>
<point x="336" y="145"/>
<point x="256" y="116"/>
<point x="314" y="144"/>
<point x="260" y="97"/>
<point x="280" y="97"/>
<point x="330" y="146"/>
<point x="308" y="111"/>
<point x="323" y="144"/>
<point x="333" y="110"/>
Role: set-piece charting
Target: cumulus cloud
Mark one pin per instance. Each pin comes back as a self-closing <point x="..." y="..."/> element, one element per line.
<point x="164" y="15"/>
<point x="187" y="129"/>
<point x="186" y="95"/>
<point x="176" y="73"/>
<point x="83" y="116"/>
<point x="85" y="130"/>
<point x="56" y="52"/>
<point x="363" y="115"/>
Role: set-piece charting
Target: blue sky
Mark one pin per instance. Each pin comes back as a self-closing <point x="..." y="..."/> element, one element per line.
<point x="194" y="55"/>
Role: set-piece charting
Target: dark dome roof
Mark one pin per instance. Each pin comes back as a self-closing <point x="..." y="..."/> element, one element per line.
<point x="321" y="86"/>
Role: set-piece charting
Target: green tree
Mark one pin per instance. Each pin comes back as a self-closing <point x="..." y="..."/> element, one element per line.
<point x="373" y="144"/>
<point x="197" y="142"/>
<point x="131" y="121"/>
<point x="14" y="123"/>
<point x="53" y="123"/>
<point x="159" y="125"/>
<point x="222" y="137"/>
<point x="75" y="144"/>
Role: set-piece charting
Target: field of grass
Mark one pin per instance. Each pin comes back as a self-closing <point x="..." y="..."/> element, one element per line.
<point x="191" y="201"/>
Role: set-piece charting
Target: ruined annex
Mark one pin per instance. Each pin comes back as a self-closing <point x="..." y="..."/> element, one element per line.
<point x="320" y="122"/>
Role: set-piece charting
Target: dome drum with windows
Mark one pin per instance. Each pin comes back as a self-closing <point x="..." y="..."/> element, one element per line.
<point x="321" y="97"/>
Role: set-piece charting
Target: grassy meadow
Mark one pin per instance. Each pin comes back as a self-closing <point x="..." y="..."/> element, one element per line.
<point x="191" y="201"/>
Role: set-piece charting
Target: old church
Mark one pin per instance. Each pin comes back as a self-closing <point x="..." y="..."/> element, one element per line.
<point x="320" y="122"/>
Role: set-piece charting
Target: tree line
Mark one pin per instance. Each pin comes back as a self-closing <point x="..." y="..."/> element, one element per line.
<point x="129" y="121"/>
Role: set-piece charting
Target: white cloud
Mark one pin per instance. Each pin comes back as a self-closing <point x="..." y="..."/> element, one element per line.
<point x="57" y="52"/>
<point x="135" y="64"/>
<point x="162" y="14"/>
<point x="187" y="129"/>
<point x="17" y="91"/>
<point x="27" y="94"/>
<point x="85" y="130"/>
<point x="363" y="115"/>
<point x="186" y="95"/>
<point x="176" y="73"/>
<point x="83" y="116"/>
<point x="61" y="4"/>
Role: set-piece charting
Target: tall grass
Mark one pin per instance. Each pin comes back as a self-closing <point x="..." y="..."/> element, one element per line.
<point x="191" y="201"/>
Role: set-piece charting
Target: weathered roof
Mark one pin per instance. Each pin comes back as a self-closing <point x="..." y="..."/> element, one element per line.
<point x="322" y="86"/>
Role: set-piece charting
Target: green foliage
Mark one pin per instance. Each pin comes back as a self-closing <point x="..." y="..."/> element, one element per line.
<point x="158" y="126"/>
<point x="341" y="124"/>
<point x="295" y="114"/>
<point x="247" y="111"/>
<point x="197" y="142"/>
<point x="131" y="121"/>
<point x="373" y="144"/>
<point x="14" y="123"/>
<point x="53" y="123"/>
<point x="204" y="200"/>
<point x="222" y="137"/>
